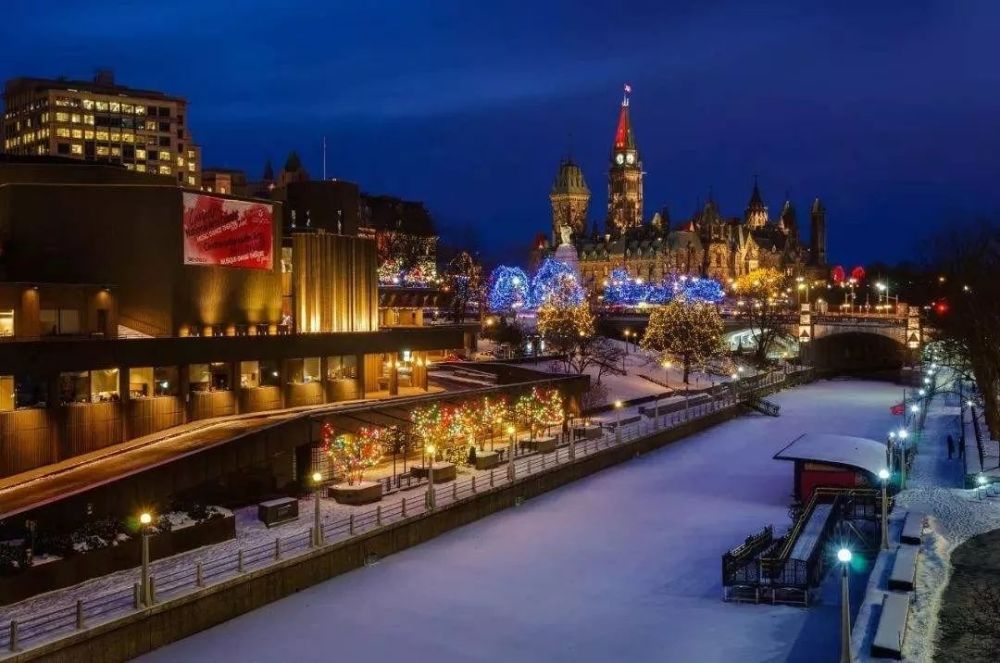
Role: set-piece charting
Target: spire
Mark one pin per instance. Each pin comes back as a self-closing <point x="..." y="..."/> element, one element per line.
<point x="755" y="200"/>
<point x="756" y="212"/>
<point x="624" y="138"/>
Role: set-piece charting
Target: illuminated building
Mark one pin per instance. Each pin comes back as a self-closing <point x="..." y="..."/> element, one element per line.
<point x="101" y="121"/>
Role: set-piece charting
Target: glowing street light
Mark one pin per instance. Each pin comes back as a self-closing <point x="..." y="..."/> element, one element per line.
<point x="618" y="422"/>
<point x="431" y="450"/>
<point x="914" y="408"/>
<point x="317" y="533"/>
<point x="883" y="475"/>
<point x="511" y="471"/>
<point x="844" y="557"/>
<point x="145" y="589"/>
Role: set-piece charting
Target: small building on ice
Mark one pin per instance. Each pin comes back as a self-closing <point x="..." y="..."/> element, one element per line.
<point x="833" y="461"/>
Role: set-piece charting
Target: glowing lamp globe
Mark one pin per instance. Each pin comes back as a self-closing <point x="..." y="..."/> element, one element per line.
<point x="883" y="474"/>
<point x="844" y="555"/>
<point x="317" y="477"/>
<point x="903" y="434"/>
<point x="145" y="518"/>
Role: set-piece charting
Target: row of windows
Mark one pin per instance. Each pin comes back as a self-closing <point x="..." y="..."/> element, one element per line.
<point x="111" y="106"/>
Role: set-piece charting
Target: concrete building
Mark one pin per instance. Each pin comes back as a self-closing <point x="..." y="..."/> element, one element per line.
<point x="101" y="121"/>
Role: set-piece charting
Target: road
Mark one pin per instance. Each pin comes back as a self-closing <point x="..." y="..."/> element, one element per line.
<point x="623" y="565"/>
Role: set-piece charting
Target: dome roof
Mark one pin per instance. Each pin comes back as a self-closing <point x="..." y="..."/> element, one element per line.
<point x="569" y="179"/>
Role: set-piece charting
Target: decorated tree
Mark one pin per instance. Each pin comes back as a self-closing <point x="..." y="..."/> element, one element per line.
<point x="689" y="333"/>
<point x="760" y="292"/>
<point x="571" y="332"/>
<point x="508" y="289"/>
<point x="494" y="413"/>
<point x="623" y="289"/>
<point x="702" y="289"/>
<point x="350" y="455"/>
<point x="555" y="280"/>
<point x="464" y="279"/>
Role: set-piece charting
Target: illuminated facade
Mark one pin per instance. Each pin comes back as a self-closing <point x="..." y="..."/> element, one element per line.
<point x="101" y="121"/>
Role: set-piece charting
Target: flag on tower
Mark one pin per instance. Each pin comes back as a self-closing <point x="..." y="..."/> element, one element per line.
<point x="628" y="89"/>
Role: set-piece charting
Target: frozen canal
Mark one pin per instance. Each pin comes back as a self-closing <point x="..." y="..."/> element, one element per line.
<point x="622" y="566"/>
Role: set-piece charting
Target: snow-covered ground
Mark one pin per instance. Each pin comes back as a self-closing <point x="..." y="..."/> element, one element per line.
<point x="624" y="565"/>
<point x="955" y="514"/>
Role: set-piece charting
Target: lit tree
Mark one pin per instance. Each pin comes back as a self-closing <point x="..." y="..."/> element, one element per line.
<point x="623" y="289"/>
<point x="351" y="455"/>
<point x="760" y="292"/>
<point x="464" y="279"/>
<point x="555" y="279"/>
<point x="508" y="289"/>
<point x="571" y="331"/>
<point x="689" y="333"/>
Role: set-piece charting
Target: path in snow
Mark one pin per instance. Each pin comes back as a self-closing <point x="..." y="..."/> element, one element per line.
<point x="624" y="565"/>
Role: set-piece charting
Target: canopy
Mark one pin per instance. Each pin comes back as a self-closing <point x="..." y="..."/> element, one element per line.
<point x="856" y="452"/>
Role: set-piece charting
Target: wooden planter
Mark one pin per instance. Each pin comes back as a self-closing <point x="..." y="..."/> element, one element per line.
<point x="442" y="472"/>
<point x="486" y="460"/>
<point x="542" y="445"/>
<point x="364" y="492"/>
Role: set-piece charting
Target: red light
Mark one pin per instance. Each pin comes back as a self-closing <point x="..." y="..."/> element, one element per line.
<point x="941" y="307"/>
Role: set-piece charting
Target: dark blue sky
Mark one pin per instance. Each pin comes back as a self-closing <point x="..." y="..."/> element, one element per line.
<point x="889" y="111"/>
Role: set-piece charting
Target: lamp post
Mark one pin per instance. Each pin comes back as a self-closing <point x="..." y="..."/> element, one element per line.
<point x="883" y="474"/>
<point x="626" y="333"/>
<point x="145" y="594"/>
<point x="844" y="557"/>
<point x="980" y="484"/>
<point x="430" y="477"/>
<point x="891" y="449"/>
<point x="902" y="435"/>
<point x="317" y="526"/>
<point x="618" y="422"/>
<point x="511" y="472"/>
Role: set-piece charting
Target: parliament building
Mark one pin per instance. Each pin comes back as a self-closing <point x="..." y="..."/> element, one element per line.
<point x="706" y="244"/>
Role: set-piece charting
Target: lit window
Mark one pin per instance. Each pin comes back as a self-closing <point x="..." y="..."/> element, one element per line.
<point x="75" y="118"/>
<point x="140" y="154"/>
<point x="116" y="151"/>
<point x="62" y="117"/>
<point x="116" y="107"/>
<point x="102" y="106"/>
<point x="128" y="108"/>
<point x="180" y="161"/>
<point x="130" y="166"/>
<point x="88" y="134"/>
<point x="191" y="180"/>
<point x="164" y="170"/>
<point x="76" y="148"/>
<point x="128" y="137"/>
<point x="102" y="151"/>
<point x="191" y="166"/>
<point x="190" y="154"/>
<point x="77" y="133"/>
<point x="116" y="137"/>
<point x="62" y="132"/>
<point x="151" y="125"/>
<point x="140" y="167"/>
<point x="88" y="104"/>
<point x="140" y="110"/>
<point x="88" y="119"/>
<point x="102" y="135"/>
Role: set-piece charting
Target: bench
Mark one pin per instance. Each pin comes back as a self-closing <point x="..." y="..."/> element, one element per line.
<point x="888" y="642"/>
<point x="904" y="568"/>
<point x="913" y="528"/>
<point x="278" y="511"/>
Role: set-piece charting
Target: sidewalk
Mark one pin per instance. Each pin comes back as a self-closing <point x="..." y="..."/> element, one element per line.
<point x="935" y="488"/>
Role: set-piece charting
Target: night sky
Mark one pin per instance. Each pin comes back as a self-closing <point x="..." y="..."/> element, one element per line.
<point x="889" y="111"/>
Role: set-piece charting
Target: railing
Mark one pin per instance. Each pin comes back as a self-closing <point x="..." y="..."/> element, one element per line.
<point x="27" y="631"/>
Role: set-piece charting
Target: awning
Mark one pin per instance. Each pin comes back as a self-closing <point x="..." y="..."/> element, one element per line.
<point x="858" y="453"/>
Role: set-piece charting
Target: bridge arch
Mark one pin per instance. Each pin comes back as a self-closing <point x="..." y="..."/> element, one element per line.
<point x="856" y="350"/>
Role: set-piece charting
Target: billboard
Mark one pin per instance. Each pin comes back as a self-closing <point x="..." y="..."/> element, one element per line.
<point x="227" y="233"/>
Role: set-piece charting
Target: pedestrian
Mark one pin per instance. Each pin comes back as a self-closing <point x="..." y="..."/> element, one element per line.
<point x="951" y="446"/>
<point x="961" y="449"/>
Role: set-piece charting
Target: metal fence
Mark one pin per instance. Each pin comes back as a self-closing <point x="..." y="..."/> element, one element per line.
<point x="122" y="601"/>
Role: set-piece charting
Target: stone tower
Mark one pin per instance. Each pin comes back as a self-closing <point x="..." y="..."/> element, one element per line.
<point x="817" y="234"/>
<point x="570" y="197"/>
<point x="786" y="222"/>
<point x="756" y="212"/>
<point x="624" y="176"/>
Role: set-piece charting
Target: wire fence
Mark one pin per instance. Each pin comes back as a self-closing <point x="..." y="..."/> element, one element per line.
<point x="29" y="631"/>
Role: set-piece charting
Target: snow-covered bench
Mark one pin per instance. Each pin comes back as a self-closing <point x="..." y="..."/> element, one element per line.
<point x="625" y="421"/>
<point x="888" y="642"/>
<point x="913" y="528"/>
<point x="904" y="568"/>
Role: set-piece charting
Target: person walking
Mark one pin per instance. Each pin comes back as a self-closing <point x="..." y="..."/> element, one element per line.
<point x="951" y="446"/>
<point x="961" y="449"/>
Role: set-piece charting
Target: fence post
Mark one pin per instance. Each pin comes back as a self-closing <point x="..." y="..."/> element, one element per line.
<point x="239" y="561"/>
<point x="491" y="478"/>
<point x="403" y="507"/>
<point x="312" y="537"/>
<point x="277" y="547"/>
<point x="199" y="580"/>
<point x="152" y="590"/>
<point x="378" y="514"/>
<point x="135" y="596"/>
<point x="13" y="635"/>
<point x="79" y="614"/>
<point x="350" y="525"/>
<point x="473" y="484"/>
<point x="454" y="489"/>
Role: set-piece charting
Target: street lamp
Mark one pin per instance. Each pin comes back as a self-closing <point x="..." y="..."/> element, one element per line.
<point x="626" y="333"/>
<point x="511" y="472"/>
<point x="145" y="590"/>
<point x="430" y="449"/>
<point x="883" y="474"/>
<point x="980" y="483"/>
<point x="618" y="422"/>
<point x="317" y="477"/>
<point x="844" y="557"/>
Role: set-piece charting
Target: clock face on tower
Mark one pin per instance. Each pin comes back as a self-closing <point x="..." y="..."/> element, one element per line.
<point x="630" y="158"/>
<point x="619" y="158"/>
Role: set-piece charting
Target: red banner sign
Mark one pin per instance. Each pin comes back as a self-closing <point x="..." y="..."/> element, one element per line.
<point x="227" y="233"/>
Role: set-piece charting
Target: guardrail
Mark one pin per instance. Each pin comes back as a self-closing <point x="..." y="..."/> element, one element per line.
<point x="122" y="601"/>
